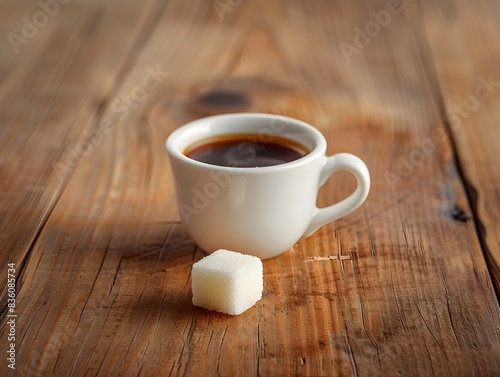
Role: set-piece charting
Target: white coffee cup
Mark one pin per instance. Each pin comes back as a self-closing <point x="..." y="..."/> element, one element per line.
<point x="261" y="211"/>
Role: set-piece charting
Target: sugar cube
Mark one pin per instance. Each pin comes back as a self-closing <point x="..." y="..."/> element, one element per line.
<point x="227" y="281"/>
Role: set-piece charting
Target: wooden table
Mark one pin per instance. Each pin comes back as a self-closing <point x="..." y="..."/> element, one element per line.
<point x="405" y="286"/>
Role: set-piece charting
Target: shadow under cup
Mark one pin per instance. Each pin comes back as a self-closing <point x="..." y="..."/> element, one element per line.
<point x="262" y="211"/>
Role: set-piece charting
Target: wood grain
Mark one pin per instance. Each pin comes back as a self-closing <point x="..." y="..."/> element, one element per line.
<point x="400" y="287"/>
<point x="469" y="82"/>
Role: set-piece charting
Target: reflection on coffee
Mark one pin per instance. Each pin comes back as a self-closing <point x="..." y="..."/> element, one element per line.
<point x="246" y="150"/>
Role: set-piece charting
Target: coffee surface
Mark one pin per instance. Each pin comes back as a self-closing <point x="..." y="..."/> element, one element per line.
<point x="246" y="150"/>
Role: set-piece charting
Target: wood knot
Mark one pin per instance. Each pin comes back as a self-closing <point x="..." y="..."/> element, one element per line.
<point x="219" y="101"/>
<point x="458" y="214"/>
<point x="223" y="98"/>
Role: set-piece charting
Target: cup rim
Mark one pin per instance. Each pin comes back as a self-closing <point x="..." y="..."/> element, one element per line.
<point x="176" y="136"/>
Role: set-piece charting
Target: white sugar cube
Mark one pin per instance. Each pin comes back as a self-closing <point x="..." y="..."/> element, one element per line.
<point x="227" y="281"/>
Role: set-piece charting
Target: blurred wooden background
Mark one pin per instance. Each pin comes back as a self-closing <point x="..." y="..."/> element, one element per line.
<point x="405" y="286"/>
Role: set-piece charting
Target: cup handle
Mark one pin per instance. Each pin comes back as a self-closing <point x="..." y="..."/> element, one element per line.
<point x="337" y="162"/>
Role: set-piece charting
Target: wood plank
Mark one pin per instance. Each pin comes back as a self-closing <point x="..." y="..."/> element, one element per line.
<point x="469" y="77"/>
<point x="393" y="289"/>
<point x="54" y="89"/>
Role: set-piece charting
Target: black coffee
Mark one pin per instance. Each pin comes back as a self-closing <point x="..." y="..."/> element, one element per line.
<point x="246" y="150"/>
